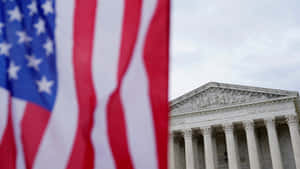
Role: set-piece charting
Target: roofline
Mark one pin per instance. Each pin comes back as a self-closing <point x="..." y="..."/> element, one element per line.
<point x="234" y="87"/>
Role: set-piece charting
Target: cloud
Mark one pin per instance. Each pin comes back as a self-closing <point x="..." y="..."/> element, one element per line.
<point x="247" y="42"/>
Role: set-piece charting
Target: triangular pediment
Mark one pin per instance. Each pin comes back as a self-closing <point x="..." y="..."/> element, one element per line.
<point x="216" y="95"/>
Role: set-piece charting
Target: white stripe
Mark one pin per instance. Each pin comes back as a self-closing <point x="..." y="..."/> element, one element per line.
<point x="18" y="108"/>
<point x="135" y="99"/>
<point x="3" y="111"/>
<point x="105" y="67"/>
<point x="57" y="142"/>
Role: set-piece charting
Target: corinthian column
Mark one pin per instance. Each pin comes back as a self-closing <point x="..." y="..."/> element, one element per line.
<point x="171" y="151"/>
<point x="208" y="148"/>
<point x="293" y="124"/>
<point x="252" y="145"/>
<point x="189" y="156"/>
<point x="274" y="144"/>
<point x="232" y="152"/>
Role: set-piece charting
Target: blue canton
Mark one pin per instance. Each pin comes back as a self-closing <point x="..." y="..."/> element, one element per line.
<point x="27" y="50"/>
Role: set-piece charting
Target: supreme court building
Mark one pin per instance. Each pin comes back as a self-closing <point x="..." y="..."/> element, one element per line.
<point x="225" y="126"/>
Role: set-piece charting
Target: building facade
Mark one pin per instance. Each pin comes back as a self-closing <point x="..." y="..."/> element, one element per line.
<point x="225" y="126"/>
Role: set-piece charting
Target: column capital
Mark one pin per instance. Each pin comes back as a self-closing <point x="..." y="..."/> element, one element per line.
<point x="187" y="133"/>
<point x="269" y="121"/>
<point x="206" y="130"/>
<point x="248" y="124"/>
<point x="292" y="119"/>
<point x="228" y="127"/>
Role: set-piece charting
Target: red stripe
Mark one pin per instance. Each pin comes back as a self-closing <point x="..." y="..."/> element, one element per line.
<point x="84" y="23"/>
<point x="8" y="150"/>
<point x="33" y="124"/>
<point x="131" y="23"/>
<point x="115" y="116"/>
<point x="117" y="132"/>
<point x="156" y="60"/>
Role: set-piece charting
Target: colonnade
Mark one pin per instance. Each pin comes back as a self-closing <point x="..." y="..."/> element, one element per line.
<point x="231" y="145"/>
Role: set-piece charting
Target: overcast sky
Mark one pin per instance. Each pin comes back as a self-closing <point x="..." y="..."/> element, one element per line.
<point x="250" y="42"/>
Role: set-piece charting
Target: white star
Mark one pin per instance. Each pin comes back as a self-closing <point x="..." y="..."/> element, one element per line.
<point x="1" y="26"/>
<point x="15" y="14"/>
<point x="40" y="26"/>
<point x="4" y="48"/>
<point x="33" y="62"/>
<point x="32" y="8"/>
<point x="13" y="71"/>
<point x="23" y="37"/>
<point x="48" y="46"/>
<point x="44" y="85"/>
<point x="47" y="7"/>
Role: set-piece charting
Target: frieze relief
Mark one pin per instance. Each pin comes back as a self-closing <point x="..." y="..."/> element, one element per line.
<point x="219" y="97"/>
<point x="244" y="112"/>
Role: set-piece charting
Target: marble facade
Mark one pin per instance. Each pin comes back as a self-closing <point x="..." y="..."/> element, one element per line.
<point x="226" y="126"/>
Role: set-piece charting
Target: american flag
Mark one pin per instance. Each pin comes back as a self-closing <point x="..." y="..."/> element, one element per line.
<point x="84" y="84"/>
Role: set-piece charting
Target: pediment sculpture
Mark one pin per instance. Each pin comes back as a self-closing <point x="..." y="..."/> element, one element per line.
<point x="215" y="97"/>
